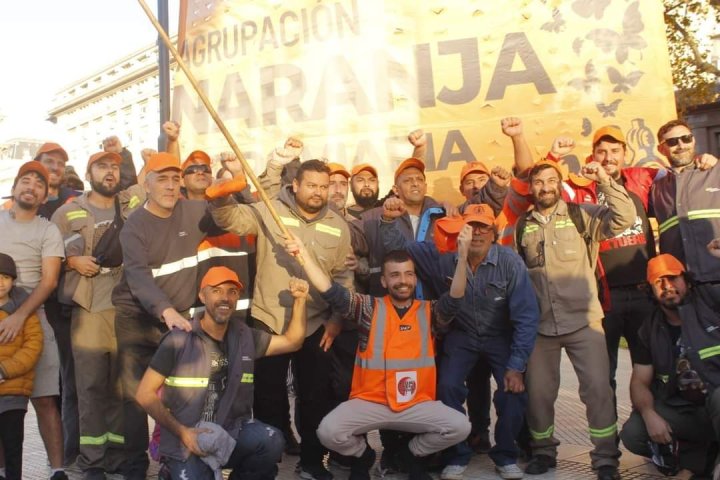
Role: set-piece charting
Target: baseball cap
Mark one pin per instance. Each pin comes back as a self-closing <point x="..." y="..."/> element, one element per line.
<point x="162" y="161"/>
<point x="51" y="147"/>
<point x="561" y="168"/>
<point x="219" y="275"/>
<point x="337" y="168"/>
<point x="663" y="265"/>
<point x="196" y="156"/>
<point x="446" y="229"/>
<point x="7" y="265"/>
<point x="32" y="166"/>
<point x="608" y="131"/>
<point x="409" y="163"/>
<point x="470" y="167"/>
<point x="479" y="213"/>
<point x="116" y="158"/>
<point x="364" y="167"/>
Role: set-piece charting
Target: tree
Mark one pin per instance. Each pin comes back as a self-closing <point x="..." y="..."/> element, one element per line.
<point x="694" y="74"/>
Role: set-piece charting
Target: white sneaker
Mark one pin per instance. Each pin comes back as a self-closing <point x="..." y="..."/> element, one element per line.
<point x="453" y="472"/>
<point x="509" y="471"/>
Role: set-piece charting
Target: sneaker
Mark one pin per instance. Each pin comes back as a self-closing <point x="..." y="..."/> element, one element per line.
<point x="360" y="469"/>
<point x="453" y="472"/>
<point x="540" y="464"/>
<point x="480" y="442"/>
<point x="608" y="472"/>
<point x="315" y="472"/>
<point x="509" y="471"/>
<point x="60" y="475"/>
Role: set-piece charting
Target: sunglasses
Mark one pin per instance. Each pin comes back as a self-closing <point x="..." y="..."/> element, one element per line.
<point x="686" y="139"/>
<point x="197" y="169"/>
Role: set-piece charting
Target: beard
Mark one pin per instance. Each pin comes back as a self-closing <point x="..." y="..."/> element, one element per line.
<point x="366" y="198"/>
<point x="681" y="159"/>
<point x="315" y="207"/>
<point x="547" y="201"/>
<point x="218" y="315"/>
<point x="100" y="188"/>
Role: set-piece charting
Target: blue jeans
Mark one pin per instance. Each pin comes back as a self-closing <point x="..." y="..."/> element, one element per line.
<point x="460" y="353"/>
<point x="258" y="450"/>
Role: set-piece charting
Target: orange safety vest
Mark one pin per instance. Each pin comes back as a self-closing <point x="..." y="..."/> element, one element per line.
<point x="397" y="368"/>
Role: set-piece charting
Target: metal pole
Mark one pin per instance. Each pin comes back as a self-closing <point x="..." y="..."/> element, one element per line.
<point x="163" y="73"/>
<point x="220" y="124"/>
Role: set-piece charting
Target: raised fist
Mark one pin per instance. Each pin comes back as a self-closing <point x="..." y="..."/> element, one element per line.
<point x="511" y="126"/>
<point x="393" y="208"/>
<point x="172" y="130"/>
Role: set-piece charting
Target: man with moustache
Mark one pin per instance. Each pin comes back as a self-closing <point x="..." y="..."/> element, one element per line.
<point x="303" y="208"/>
<point x="496" y="324"/>
<point x="560" y="255"/>
<point x="674" y="381"/>
<point x="156" y="289"/>
<point x="90" y="226"/>
<point x="394" y="378"/>
<point x="685" y="203"/>
<point x="37" y="248"/>
<point x="205" y="410"/>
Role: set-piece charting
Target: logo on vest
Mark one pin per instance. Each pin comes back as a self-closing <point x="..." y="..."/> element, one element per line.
<point x="406" y="386"/>
<point x="405" y="328"/>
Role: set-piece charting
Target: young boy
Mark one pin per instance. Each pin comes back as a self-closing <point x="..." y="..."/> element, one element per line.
<point x="17" y="365"/>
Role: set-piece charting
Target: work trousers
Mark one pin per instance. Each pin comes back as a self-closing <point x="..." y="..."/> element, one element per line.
<point x="479" y="397"/>
<point x="436" y="426"/>
<point x="97" y="379"/>
<point x="629" y="309"/>
<point x="460" y="354"/>
<point x="690" y="424"/>
<point x="588" y="354"/>
<point x="12" y="432"/>
<point x="58" y="316"/>
<point x="314" y="393"/>
<point x="138" y="336"/>
<point x="257" y="452"/>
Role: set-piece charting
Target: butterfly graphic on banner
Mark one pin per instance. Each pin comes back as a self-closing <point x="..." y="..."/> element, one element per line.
<point x="623" y="83"/>
<point x="621" y="42"/>
<point x="556" y="25"/>
<point x="587" y="83"/>
<point x="608" y="110"/>
<point x="588" y="8"/>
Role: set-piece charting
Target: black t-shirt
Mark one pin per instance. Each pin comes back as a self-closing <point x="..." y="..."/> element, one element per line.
<point x="625" y="256"/>
<point x="163" y="362"/>
<point x="642" y="354"/>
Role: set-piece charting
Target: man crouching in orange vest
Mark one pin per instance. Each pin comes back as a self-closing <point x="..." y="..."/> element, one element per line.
<point x="393" y="383"/>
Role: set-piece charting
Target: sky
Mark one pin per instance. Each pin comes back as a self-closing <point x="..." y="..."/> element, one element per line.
<point x="48" y="44"/>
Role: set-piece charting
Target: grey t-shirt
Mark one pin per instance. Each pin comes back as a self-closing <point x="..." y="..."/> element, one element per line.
<point x="28" y="243"/>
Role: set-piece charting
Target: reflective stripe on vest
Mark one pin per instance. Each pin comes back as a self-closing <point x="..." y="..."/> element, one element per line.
<point x="692" y="215"/>
<point x="176" y="266"/>
<point x="378" y="361"/>
<point x="187" y="382"/>
<point x="248" y="378"/>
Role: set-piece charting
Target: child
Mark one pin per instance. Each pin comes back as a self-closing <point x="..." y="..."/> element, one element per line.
<point x="17" y="364"/>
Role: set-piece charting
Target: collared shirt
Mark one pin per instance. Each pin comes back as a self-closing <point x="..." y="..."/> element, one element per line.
<point x="499" y="298"/>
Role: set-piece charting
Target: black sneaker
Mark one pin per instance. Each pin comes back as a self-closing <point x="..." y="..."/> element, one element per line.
<point x="416" y="466"/>
<point x="540" y="464"/>
<point x="341" y="462"/>
<point x="315" y="472"/>
<point x="608" y="472"/>
<point x="61" y="475"/>
<point x="360" y="469"/>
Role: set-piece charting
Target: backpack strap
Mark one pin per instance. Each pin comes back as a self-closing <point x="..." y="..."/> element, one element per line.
<point x="575" y="214"/>
<point x="519" y="230"/>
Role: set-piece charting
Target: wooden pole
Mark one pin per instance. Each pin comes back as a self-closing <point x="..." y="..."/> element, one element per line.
<point x="216" y="118"/>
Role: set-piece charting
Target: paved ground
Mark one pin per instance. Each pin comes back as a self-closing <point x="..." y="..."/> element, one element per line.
<point x="571" y="429"/>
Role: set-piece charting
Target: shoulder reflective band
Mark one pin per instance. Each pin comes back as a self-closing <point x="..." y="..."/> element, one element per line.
<point x="134" y="201"/>
<point x="709" y="352"/>
<point x="75" y="214"/>
<point x="378" y="360"/>
<point x="186" y="382"/>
